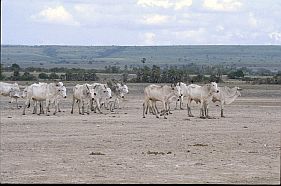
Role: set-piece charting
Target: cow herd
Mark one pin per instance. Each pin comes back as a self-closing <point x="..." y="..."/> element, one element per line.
<point x="87" y="96"/>
<point x="92" y="97"/>
<point x="203" y="95"/>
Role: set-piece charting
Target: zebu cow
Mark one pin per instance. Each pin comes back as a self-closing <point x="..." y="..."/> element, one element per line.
<point x="44" y="92"/>
<point x="203" y="95"/>
<point x="102" y="93"/>
<point x="226" y="96"/>
<point x="155" y="93"/>
<point x="81" y="94"/>
<point x="184" y="93"/>
<point x="11" y="90"/>
<point x="153" y="108"/>
<point x="119" y="91"/>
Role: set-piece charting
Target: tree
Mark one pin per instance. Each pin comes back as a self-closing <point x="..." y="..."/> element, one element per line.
<point x="53" y="75"/>
<point x="27" y="77"/>
<point x="2" y="77"/>
<point x="236" y="74"/>
<point x="15" y="67"/>
<point x="43" y="76"/>
<point x="143" y="60"/>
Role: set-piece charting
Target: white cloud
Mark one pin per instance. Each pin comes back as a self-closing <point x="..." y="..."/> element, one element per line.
<point x="219" y="28"/>
<point x="182" y="4"/>
<point x="155" y="3"/>
<point x="149" y="38"/>
<point x="252" y="20"/>
<point x="222" y="5"/>
<point x="56" y="15"/>
<point x="176" y="4"/>
<point x="193" y="36"/>
<point x="276" y="36"/>
<point x="155" y="19"/>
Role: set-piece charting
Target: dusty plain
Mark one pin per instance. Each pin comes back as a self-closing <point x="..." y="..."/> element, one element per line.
<point x="123" y="147"/>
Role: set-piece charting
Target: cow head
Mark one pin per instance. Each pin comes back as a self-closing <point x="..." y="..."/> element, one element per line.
<point x="108" y="93"/>
<point x="14" y="92"/>
<point x="237" y="91"/>
<point x="24" y="92"/>
<point x="62" y="91"/>
<point x="214" y="87"/>
<point x="176" y="89"/>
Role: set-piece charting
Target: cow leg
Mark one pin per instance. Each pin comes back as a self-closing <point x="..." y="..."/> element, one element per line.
<point x="181" y="103"/>
<point x="202" y="110"/>
<point x="165" y="109"/>
<point x="169" y="108"/>
<point x="116" y="104"/>
<point x="188" y="108"/>
<point x="59" y="107"/>
<point x="47" y="107"/>
<point x="27" y="102"/>
<point x="143" y="109"/>
<point x="79" y="106"/>
<point x="83" y="107"/>
<point x="34" y="107"/>
<point x="73" y="101"/>
<point x="18" y="107"/>
<point x="56" y="107"/>
<point x="176" y="107"/>
<point x="88" y="106"/>
<point x="155" y="108"/>
<point x="41" y="107"/>
<point x="98" y="106"/>
<point x="206" y="109"/>
<point x="92" y="105"/>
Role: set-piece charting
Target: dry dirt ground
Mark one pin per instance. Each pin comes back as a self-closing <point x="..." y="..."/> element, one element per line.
<point x="123" y="147"/>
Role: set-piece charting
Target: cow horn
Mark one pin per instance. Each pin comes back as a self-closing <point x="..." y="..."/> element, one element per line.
<point x="87" y="87"/>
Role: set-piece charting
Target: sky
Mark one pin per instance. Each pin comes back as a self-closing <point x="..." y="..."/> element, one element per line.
<point x="140" y="22"/>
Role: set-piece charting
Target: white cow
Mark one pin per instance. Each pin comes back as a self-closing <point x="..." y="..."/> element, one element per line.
<point x="108" y="101"/>
<point x="11" y="90"/>
<point x="43" y="92"/>
<point x="102" y="93"/>
<point x="59" y="97"/>
<point x="226" y="96"/>
<point x="203" y="95"/>
<point x="184" y="93"/>
<point x="81" y="94"/>
<point x="35" y="102"/>
<point x="119" y="91"/>
<point x="153" y="93"/>
<point x="153" y="108"/>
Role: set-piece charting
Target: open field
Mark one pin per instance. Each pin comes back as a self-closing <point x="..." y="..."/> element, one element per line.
<point x="97" y="57"/>
<point x="122" y="147"/>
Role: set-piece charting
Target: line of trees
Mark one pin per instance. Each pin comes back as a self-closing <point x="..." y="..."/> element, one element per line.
<point x="144" y="74"/>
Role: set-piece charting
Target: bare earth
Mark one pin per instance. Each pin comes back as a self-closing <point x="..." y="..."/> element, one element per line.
<point x="123" y="147"/>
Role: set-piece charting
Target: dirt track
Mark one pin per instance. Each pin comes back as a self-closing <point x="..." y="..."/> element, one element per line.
<point x="123" y="147"/>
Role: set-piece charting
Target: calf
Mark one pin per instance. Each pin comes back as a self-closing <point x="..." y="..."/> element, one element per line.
<point x="155" y="93"/>
<point x="44" y="92"/>
<point x="82" y="94"/>
<point x="226" y="96"/>
<point x="11" y="90"/>
<point x="203" y="94"/>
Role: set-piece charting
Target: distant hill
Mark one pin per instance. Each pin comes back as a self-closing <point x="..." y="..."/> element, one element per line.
<point x="49" y="56"/>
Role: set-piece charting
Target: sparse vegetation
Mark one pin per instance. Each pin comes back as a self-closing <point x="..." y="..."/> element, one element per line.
<point x="153" y="64"/>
